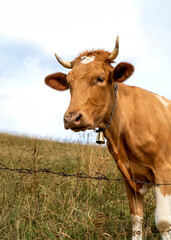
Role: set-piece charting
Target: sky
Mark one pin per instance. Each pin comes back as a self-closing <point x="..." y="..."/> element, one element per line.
<point x="32" y="31"/>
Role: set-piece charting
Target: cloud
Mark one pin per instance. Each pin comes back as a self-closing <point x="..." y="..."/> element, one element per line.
<point x="69" y="27"/>
<point x="33" y="30"/>
<point x="27" y="105"/>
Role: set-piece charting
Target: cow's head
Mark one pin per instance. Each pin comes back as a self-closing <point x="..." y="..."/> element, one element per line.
<point x="90" y="82"/>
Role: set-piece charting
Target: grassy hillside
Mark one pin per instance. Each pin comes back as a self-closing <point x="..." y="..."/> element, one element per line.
<point x="46" y="206"/>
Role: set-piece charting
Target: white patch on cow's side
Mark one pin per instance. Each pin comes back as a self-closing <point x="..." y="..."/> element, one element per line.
<point x="163" y="101"/>
<point x="145" y="188"/>
<point x="163" y="214"/>
<point x="136" y="227"/>
<point x="86" y="59"/>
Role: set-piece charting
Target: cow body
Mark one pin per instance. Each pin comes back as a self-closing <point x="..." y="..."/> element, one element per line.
<point x="143" y="141"/>
<point x="138" y="137"/>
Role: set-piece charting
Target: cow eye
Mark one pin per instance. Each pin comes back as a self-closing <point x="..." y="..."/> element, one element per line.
<point x="100" y="79"/>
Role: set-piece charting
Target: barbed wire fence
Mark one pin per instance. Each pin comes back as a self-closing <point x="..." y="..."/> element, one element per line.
<point x="82" y="175"/>
<point x="99" y="176"/>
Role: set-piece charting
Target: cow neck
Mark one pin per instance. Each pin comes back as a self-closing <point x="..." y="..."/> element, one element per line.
<point x="112" y="136"/>
<point x="112" y="112"/>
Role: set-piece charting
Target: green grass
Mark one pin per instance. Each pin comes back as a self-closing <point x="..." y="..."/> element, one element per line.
<point x="46" y="206"/>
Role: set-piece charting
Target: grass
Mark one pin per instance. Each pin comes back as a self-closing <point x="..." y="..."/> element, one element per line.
<point x="45" y="206"/>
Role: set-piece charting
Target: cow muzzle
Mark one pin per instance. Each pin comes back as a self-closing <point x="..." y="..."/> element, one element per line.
<point x="76" y="121"/>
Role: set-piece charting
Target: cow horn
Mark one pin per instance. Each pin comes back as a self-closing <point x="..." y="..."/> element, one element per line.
<point x="115" y="51"/>
<point x="65" y="64"/>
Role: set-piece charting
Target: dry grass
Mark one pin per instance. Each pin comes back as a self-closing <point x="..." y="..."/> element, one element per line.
<point x="44" y="206"/>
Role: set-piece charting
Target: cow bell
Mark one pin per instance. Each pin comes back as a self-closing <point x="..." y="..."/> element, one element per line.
<point x="100" y="138"/>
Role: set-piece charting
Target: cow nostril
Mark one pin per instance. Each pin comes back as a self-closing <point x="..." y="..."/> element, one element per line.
<point x="73" y="117"/>
<point x="78" y="116"/>
<point x="66" y="117"/>
<point x="74" y="120"/>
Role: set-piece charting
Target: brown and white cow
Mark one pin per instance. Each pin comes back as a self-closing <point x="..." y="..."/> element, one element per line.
<point x="139" y="135"/>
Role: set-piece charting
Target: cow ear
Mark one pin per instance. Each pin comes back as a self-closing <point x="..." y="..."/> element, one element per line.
<point x="122" y="71"/>
<point x="57" y="81"/>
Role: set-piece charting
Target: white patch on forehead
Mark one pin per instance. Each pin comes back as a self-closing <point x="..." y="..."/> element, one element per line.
<point x="163" y="101"/>
<point x="86" y="59"/>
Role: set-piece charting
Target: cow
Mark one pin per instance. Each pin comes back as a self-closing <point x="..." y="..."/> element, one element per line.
<point x="136" y="124"/>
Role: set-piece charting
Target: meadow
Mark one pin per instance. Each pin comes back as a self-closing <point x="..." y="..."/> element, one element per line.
<point x="44" y="206"/>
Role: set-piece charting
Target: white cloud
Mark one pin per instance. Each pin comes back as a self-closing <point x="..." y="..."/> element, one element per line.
<point x="71" y="26"/>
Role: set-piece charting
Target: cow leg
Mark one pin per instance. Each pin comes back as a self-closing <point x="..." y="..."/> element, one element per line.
<point x="163" y="212"/>
<point x="136" y="211"/>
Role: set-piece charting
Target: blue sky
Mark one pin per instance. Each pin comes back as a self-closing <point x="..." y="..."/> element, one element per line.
<point x="31" y="31"/>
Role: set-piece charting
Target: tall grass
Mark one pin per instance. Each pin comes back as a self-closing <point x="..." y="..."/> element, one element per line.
<point x="44" y="206"/>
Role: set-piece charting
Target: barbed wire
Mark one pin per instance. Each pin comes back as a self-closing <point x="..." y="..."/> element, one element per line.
<point x="99" y="176"/>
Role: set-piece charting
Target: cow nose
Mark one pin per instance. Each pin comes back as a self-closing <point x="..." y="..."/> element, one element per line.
<point x="72" y="120"/>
